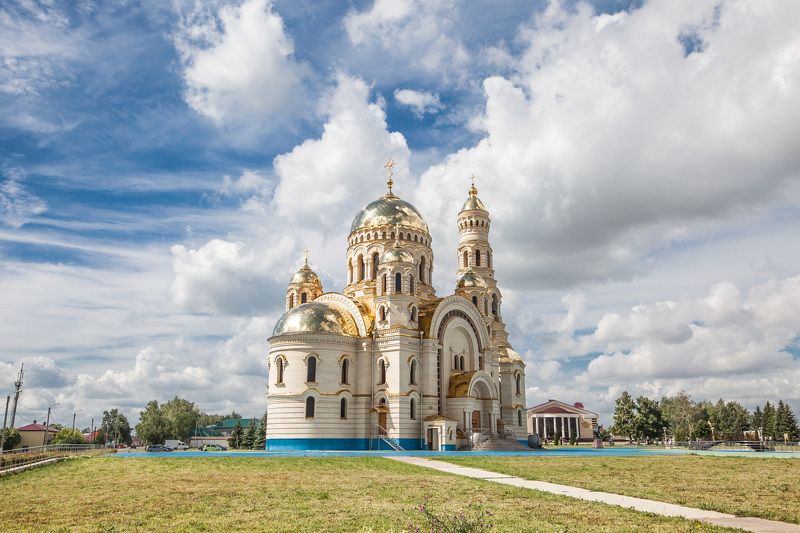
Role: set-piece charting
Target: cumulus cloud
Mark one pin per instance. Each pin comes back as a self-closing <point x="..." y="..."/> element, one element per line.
<point x="238" y="64"/>
<point x="420" y="102"/>
<point x="599" y="151"/>
<point x="419" y="35"/>
<point x="228" y="277"/>
<point x="17" y="205"/>
<point x="324" y="181"/>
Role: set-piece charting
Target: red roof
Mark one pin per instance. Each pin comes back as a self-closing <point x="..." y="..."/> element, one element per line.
<point x="36" y="427"/>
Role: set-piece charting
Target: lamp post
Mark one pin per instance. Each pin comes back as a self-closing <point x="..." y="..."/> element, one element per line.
<point x="47" y="425"/>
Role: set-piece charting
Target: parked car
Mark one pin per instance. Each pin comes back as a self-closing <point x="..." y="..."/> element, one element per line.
<point x="157" y="448"/>
<point x="213" y="448"/>
<point x="176" y="444"/>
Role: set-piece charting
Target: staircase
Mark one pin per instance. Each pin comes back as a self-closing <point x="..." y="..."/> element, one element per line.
<point x="506" y="441"/>
<point x="392" y="443"/>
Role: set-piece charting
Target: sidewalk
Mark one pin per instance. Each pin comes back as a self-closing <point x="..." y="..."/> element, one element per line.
<point x="758" y="525"/>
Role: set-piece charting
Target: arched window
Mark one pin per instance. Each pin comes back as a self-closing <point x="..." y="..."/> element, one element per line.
<point x="494" y="304"/>
<point x="413" y="315"/>
<point x="422" y="270"/>
<point x="383" y="313"/>
<point x="311" y="370"/>
<point x="343" y="408"/>
<point x="489" y="259"/>
<point x="411" y="284"/>
<point x="392" y="237"/>
<point x="519" y="383"/>
<point x="519" y="417"/>
<point x="466" y="259"/>
<point x="398" y="282"/>
<point x="400" y="236"/>
<point x="384" y="283"/>
<point x="412" y="373"/>
<point x="455" y="363"/>
<point x="360" y="268"/>
<point x="310" y="407"/>
<point x="382" y="373"/>
<point x="279" y="377"/>
<point x="345" y="370"/>
<point x="413" y="409"/>
<point x="291" y="301"/>
<point x="463" y="366"/>
<point x="475" y="301"/>
<point x="303" y="298"/>
<point x="477" y="258"/>
<point x="375" y="260"/>
<point x="485" y="306"/>
<point x="349" y="271"/>
<point x="480" y="362"/>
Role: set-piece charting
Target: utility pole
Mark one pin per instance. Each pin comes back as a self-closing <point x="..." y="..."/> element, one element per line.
<point x="47" y="425"/>
<point x="91" y="431"/>
<point x="17" y="386"/>
<point x="5" y="419"/>
<point x="73" y="421"/>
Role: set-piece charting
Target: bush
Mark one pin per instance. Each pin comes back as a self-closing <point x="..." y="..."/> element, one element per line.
<point x="12" y="438"/>
<point x="572" y="440"/>
<point x="68" y="436"/>
<point x="459" y="522"/>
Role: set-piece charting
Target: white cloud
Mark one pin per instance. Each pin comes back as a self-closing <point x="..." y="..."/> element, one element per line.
<point x="17" y="205"/>
<point x="323" y="182"/>
<point x="239" y="65"/>
<point x="415" y="34"/>
<point x="420" y="102"/>
<point x="597" y="152"/>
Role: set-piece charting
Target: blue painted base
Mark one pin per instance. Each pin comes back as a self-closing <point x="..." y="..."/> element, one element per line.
<point x="286" y="445"/>
<point x="523" y="442"/>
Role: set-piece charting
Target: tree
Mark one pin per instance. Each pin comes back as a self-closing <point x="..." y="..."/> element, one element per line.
<point x="235" y="440"/>
<point x="624" y="414"/>
<point x="153" y="426"/>
<point x="68" y="436"/>
<point x="12" y="438"/>
<point x="647" y="420"/>
<point x="785" y="422"/>
<point x="182" y="416"/>
<point x="769" y="421"/>
<point x="680" y="415"/>
<point x="261" y="434"/>
<point x="116" y="427"/>
<point x="757" y="420"/>
<point x="250" y="435"/>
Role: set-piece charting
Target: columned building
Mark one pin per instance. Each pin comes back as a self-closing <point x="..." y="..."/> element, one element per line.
<point x="555" y="418"/>
<point x="387" y="362"/>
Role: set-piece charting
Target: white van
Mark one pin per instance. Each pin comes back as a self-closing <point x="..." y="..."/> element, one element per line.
<point x="176" y="444"/>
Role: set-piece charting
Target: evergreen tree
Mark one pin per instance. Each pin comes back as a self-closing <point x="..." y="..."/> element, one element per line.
<point x="769" y="421"/>
<point x="757" y="420"/>
<point x="261" y="434"/>
<point x="235" y="440"/>
<point x="647" y="422"/>
<point x="624" y="416"/>
<point x="250" y="435"/>
<point x="790" y="423"/>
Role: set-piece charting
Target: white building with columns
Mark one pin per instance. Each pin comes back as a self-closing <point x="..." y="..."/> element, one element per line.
<point x="387" y="362"/>
<point x="554" y="418"/>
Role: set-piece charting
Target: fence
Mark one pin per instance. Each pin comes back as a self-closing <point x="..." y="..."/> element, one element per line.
<point x="731" y="445"/>
<point x="16" y="458"/>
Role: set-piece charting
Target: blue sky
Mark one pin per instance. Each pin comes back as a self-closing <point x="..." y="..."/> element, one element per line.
<point x="165" y="164"/>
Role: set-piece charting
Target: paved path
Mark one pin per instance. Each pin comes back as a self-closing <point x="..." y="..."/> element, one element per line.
<point x="759" y="525"/>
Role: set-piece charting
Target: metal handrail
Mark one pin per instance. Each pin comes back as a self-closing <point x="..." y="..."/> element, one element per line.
<point x="383" y="434"/>
<point x="34" y="454"/>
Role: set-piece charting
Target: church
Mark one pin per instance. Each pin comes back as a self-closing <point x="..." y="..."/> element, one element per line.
<point x="387" y="363"/>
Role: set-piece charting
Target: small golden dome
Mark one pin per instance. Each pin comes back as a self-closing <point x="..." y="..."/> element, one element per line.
<point x="471" y="279"/>
<point x="473" y="203"/>
<point x="389" y="210"/>
<point x="395" y="254"/>
<point x="315" y="317"/>
<point x="305" y="275"/>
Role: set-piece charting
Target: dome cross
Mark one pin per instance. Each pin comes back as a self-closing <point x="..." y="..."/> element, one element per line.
<point x="389" y="166"/>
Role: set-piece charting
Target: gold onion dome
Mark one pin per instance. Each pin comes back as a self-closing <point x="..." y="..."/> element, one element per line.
<point x="395" y="254"/>
<point x="473" y="203"/>
<point x="305" y="275"/>
<point x="389" y="210"/>
<point x="315" y="317"/>
<point x="471" y="279"/>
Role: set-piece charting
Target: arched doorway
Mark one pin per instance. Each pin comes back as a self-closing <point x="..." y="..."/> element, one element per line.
<point x="483" y="414"/>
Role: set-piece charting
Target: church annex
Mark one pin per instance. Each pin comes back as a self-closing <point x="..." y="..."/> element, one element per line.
<point x="388" y="363"/>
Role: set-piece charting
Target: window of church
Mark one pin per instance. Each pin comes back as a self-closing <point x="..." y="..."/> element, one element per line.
<point x="349" y="271"/>
<point x="494" y="304"/>
<point x="415" y="238"/>
<point x="455" y="363"/>
<point x="413" y="315"/>
<point x="411" y="284"/>
<point x="375" y="259"/>
<point x="412" y="373"/>
<point x="384" y="283"/>
<point x="519" y="383"/>
<point x="400" y="236"/>
<point x="475" y="301"/>
<point x="519" y="417"/>
<point x="383" y="313"/>
<point x="303" y="298"/>
<point x="489" y="259"/>
<point x="466" y="259"/>
<point x="291" y="301"/>
<point x="345" y="370"/>
<point x="422" y="270"/>
<point x="463" y="366"/>
<point x="343" y="408"/>
<point x="311" y="369"/>
<point x="310" y="407"/>
<point x="382" y="373"/>
<point x="480" y="362"/>
<point x="398" y="282"/>
<point x="279" y="378"/>
<point x="413" y="409"/>
<point x="485" y="306"/>
<point x="477" y="258"/>
<point x="360" y="268"/>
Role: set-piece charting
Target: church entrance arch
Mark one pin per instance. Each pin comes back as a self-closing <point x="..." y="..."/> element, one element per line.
<point x="483" y="415"/>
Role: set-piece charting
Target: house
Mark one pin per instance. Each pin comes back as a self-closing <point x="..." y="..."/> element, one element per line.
<point x="34" y="435"/>
<point x="218" y="433"/>
<point x="558" y="418"/>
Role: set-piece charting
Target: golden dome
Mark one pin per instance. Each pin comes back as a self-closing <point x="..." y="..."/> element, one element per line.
<point x="389" y="210"/>
<point x="315" y="317"/>
<point x="471" y="279"/>
<point x="473" y="202"/>
<point x="396" y="254"/>
<point x="305" y="275"/>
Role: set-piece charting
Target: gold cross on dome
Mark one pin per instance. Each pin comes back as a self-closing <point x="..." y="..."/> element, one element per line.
<point x="389" y="166"/>
<point x="306" y="256"/>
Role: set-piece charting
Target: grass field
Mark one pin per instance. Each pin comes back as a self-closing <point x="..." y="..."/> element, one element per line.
<point x="284" y="494"/>
<point x="764" y="488"/>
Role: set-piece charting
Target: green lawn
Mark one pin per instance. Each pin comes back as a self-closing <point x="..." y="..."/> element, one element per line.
<point x="283" y="494"/>
<point x="765" y="488"/>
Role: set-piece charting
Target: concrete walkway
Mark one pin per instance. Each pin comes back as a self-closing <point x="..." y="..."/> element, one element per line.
<point x="650" y="506"/>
